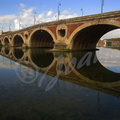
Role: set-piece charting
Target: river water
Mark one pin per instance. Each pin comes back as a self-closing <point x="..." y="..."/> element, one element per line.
<point x="36" y="84"/>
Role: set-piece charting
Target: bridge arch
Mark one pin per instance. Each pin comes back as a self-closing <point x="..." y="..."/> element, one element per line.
<point x="86" y="36"/>
<point x="90" y="73"/>
<point x="40" y="59"/>
<point x="6" y="51"/>
<point x="6" y="41"/>
<point x="18" y="54"/>
<point x="0" y="41"/>
<point x="42" y="38"/>
<point x="18" y="40"/>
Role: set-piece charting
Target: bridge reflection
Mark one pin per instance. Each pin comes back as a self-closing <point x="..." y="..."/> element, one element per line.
<point x="40" y="58"/>
<point x="92" y="68"/>
<point x="81" y="68"/>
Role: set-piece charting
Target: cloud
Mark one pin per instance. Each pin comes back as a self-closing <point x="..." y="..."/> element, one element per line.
<point x="49" y="13"/>
<point x="112" y="34"/>
<point x="27" y="17"/>
<point x="7" y="18"/>
<point x="22" y="5"/>
<point x="40" y="15"/>
<point x="68" y="16"/>
<point x="65" y="12"/>
<point x="16" y="22"/>
<point x="27" y="13"/>
<point x="40" y="18"/>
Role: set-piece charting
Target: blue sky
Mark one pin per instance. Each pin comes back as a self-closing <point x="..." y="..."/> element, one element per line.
<point x="13" y="12"/>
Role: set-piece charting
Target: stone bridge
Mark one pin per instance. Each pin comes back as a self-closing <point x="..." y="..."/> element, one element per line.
<point x="67" y="34"/>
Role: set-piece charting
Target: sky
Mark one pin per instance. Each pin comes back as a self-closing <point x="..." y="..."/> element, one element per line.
<point x="110" y="59"/>
<point x="18" y="14"/>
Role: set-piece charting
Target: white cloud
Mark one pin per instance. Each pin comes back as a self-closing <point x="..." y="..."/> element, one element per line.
<point x="27" y="13"/>
<point x="112" y="34"/>
<point x="22" y="5"/>
<point x="27" y="16"/>
<point x="68" y="16"/>
<point x="65" y="12"/>
<point x="7" y="18"/>
<point x="40" y="16"/>
<point x="16" y="22"/>
<point x="49" y="13"/>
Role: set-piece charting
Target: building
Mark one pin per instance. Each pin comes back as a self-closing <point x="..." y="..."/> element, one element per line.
<point x="113" y="42"/>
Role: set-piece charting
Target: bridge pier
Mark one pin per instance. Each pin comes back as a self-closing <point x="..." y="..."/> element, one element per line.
<point x="60" y="46"/>
<point x="24" y="45"/>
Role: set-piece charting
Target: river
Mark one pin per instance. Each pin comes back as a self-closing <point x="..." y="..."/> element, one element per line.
<point x="36" y="84"/>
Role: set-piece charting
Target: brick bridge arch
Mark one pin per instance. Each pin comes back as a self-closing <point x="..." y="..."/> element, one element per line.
<point x="6" y="41"/>
<point x="18" y="40"/>
<point x="87" y="35"/>
<point x="42" y="37"/>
